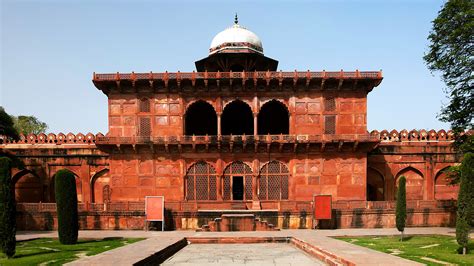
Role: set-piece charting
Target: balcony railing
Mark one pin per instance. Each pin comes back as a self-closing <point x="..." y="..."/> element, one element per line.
<point x="213" y="139"/>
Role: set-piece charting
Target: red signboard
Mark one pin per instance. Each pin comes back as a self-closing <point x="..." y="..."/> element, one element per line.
<point x="322" y="207"/>
<point x="155" y="209"/>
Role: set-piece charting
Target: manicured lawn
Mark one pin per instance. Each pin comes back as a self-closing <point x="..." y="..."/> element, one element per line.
<point x="50" y="252"/>
<point x="430" y="250"/>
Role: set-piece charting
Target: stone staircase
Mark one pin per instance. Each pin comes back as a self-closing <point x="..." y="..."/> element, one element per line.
<point x="237" y="222"/>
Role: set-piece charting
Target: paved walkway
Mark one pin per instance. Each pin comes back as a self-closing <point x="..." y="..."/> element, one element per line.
<point x="156" y="241"/>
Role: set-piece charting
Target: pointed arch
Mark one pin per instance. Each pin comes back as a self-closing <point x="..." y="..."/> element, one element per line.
<point x="18" y="175"/>
<point x="237" y="119"/>
<point x="200" y="118"/>
<point x="93" y="180"/>
<point x="236" y="174"/>
<point x="200" y="182"/>
<point x="273" y="118"/>
<point x="274" y="181"/>
<point x="414" y="182"/>
<point x="28" y="186"/>
<point x="52" y="194"/>
<point x="443" y="189"/>
<point x="375" y="185"/>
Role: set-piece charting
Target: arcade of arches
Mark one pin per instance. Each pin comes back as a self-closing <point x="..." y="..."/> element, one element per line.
<point x="237" y="182"/>
<point x="237" y="118"/>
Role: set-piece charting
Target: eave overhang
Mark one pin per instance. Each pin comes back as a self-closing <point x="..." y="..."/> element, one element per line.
<point x="235" y="81"/>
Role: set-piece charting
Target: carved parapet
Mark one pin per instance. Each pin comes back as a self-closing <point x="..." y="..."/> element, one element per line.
<point x="415" y="135"/>
<point x="52" y="138"/>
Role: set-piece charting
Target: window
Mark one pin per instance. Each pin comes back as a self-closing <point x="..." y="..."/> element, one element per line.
<point x="273" y="182"/>
<point x="201" y="182"/>
<point x="329" y="104"/>
<point x="144" y="105"/>
<point x="330" y="124"/>
<point x="144" y="129"/>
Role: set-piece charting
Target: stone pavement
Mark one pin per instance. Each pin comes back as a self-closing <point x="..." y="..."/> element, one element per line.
<point x="241" y="254"/>
<point x="127" y="255"/>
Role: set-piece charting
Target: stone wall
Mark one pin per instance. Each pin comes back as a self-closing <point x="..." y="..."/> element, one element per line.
<point x="348" y="214"/>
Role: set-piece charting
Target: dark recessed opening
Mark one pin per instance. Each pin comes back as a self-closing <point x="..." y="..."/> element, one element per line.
<point x="273" y="118"/>
<point x="238" y="188"/>
<point x="237" y="119"/>
<point x="200" y="119"/>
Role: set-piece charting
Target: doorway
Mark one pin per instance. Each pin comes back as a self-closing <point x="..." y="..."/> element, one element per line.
<point x="237" y="188"/>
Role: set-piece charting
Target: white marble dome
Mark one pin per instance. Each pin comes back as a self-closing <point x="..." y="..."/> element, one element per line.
<point x="236" y="38"/>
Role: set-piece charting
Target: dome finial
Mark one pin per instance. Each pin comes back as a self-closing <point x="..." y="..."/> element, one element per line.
<point x="236" y="19"/>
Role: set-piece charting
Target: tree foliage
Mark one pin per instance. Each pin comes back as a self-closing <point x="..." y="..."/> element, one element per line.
<point x="451" y="52"/>
<point x="66" y="204"/>
<point x="7" y="126"/>
<point x="401" y="208"/>
<point x="29" y="124"/>
<point x="465" y="211"/>
<point x="7" y="209"/>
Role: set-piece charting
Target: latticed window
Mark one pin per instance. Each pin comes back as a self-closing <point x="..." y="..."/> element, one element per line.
<point x="201" y="182"/>
<point x="273" y="181"/>
<point x="231" y="174"/>
<point x="329" y="104"/>
<point x="144" y="105"/>
<point x="330" y="124"/>
<point x="144" y="129"/>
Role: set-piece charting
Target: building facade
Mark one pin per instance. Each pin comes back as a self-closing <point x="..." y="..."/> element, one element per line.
<point x="236" y="135"/>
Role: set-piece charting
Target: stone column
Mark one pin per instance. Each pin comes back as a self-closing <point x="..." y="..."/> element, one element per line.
<point x="255" y="126"/>
<point x="218" y="124"/>
<point x="429" y="183"/>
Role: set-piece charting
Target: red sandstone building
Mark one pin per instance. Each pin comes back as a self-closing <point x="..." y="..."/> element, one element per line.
<point x="236" y="135"/>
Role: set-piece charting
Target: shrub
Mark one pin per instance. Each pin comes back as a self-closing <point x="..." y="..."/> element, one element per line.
<point x="66" y="204"/>
<point x="401" y="209"/>
<point x="465" y="209"/>
<point x="7" y="209"/>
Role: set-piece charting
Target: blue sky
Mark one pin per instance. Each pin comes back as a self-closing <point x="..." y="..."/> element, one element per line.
<point x="49" y="50"/>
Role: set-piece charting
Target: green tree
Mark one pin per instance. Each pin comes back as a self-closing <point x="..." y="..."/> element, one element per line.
<point x="451" y="52"/>
<point x="7" y="209"/>
<point x="465" y="211"/>
<point x="66" y="205"/>
<point x="401" y="208"/>
<point x="7" y="126"/>
<point x="29" y="124"/>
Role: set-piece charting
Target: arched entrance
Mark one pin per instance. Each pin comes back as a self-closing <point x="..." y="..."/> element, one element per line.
<point x="375" y="185"/>
<point x="78" y="187"/>
<point x="443" y="189"/>
<point x="97" y="188"/>
<point x="273" y="119"/>
<point x="237" y="183"/>
<point x="414" y="183"/>
<point x="200" y="119"/>
<point x="28" y="186"/>
<point x="237" y="119"/>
